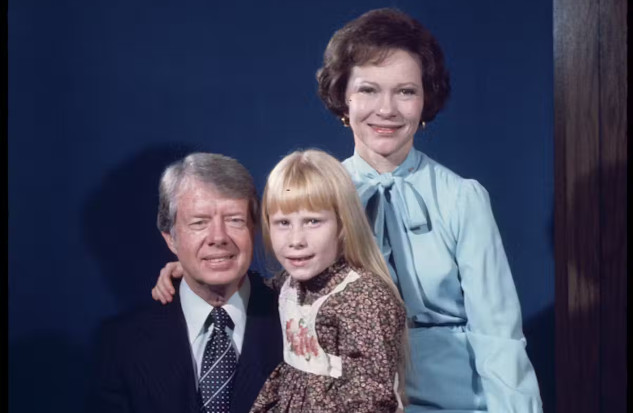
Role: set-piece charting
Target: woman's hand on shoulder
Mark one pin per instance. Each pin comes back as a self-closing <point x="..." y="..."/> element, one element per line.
<point x="164" y="289"/>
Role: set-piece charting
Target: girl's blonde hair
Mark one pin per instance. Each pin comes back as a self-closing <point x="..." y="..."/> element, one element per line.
<point x="314" y="180"/>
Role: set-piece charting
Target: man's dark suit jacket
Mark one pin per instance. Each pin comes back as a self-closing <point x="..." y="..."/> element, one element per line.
<point x="144" y="360"/>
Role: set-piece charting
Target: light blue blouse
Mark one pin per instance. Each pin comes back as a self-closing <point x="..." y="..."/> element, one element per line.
<point x="442" y="245"/>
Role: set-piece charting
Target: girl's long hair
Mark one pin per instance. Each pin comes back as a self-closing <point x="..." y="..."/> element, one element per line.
<point x="314" y="180"/>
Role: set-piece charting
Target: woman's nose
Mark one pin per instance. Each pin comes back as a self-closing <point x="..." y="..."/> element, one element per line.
<point x="386" y="105"/>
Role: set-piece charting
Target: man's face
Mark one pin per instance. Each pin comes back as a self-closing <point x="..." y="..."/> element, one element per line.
<point x="212" y="237"/>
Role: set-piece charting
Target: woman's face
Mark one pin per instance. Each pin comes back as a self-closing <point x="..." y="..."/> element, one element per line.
<point x="385" y="104"/>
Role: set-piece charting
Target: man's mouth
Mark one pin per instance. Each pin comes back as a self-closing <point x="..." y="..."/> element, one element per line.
<point x="216" y="260"/>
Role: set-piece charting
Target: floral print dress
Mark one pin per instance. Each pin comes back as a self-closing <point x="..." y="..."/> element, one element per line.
<point x="354" y="344"/>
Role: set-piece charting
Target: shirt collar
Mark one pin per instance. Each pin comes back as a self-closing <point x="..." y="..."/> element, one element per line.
<point x="196" y="310"/>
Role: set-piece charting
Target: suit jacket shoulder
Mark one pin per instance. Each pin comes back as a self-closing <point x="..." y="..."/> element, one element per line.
<point x="144" y="363"/>
<point x="262" y="349"/>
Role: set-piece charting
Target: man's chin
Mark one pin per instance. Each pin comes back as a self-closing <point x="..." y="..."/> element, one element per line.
<point x="220" y="278"/>
<point x="216" y="285"/>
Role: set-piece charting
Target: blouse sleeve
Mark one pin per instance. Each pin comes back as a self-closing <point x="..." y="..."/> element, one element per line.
<point x="492" y="306"/>
<point x="370" y="333"/>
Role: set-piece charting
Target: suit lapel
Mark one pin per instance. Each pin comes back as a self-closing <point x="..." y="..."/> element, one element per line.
<point x="169" y="360"/>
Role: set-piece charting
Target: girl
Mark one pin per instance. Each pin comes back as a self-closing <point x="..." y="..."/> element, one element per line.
<point x="342" y="318"/>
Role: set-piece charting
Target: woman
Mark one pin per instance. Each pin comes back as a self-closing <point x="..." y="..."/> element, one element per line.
<point x="383" y="75"/>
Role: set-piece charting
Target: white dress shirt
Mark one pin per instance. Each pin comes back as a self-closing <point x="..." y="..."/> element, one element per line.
<point x="196" y="311"/>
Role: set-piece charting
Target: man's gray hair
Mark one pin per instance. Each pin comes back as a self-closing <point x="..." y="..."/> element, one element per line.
<point x="226" y="175"/>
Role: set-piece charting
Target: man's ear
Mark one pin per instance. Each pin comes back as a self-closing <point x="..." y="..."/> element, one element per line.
<point x="171" y="242"/>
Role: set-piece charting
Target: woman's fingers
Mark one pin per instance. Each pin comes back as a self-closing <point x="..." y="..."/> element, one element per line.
<point x="164" y="289"/>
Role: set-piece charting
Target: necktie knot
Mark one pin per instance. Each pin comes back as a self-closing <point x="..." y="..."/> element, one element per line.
<point x="220" y="319"/>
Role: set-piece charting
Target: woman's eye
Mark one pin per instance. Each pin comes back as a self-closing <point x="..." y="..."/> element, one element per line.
<point x="408" y="92"/>
<point x="367" y="90"/>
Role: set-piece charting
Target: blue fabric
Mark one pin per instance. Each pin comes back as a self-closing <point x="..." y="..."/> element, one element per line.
<point x="438" y="235"/>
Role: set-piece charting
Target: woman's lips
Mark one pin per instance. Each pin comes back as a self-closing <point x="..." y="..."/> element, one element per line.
<point x="385" y="129"/>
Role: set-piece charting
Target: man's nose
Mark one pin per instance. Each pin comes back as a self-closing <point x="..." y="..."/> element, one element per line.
<point x="216" y="233"/>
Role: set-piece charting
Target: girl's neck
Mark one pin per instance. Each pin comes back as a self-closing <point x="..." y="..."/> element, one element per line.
<point x="311" y="290"/>
<point x="319" y="281"/>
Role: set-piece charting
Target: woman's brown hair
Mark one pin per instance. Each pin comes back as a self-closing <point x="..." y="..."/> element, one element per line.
<point x="370" y="38"/>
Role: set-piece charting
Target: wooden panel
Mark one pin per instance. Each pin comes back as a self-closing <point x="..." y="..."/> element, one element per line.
<point x="590" y="97"/>
<point x="577" y="226"/>
<point x="613" y="252"/>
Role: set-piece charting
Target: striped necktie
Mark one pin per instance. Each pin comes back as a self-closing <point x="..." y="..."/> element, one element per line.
<point x="218" y="365"/>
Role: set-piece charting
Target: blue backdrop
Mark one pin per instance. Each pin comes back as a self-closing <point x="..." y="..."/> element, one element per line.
<point x="104" y="94"/>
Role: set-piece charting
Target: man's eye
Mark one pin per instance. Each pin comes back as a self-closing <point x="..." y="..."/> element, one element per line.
<point x="197" y="224"/>
<point x="237" y="222"/>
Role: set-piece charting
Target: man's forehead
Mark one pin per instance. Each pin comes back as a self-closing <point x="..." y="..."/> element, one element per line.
<point x="196" y="190"/>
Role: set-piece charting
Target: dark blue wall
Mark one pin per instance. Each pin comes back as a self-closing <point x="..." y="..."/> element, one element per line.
<point x="103" y="94"/>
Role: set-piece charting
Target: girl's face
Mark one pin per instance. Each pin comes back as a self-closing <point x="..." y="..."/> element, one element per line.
<point x="305" y="242"/>
<point x="385" y="104"/>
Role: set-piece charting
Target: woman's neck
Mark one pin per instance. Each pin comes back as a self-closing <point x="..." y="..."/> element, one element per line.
<point x="383" y="163"/>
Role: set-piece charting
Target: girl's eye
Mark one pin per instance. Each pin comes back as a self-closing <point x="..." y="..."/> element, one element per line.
<point x="313" y="221"/>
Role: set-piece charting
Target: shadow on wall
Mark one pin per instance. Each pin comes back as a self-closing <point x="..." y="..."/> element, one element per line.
<point x="119" y="229"/>
<point x="51" y="368"/>
<point x="539" y="332"/>
<point x="119" y="223"/>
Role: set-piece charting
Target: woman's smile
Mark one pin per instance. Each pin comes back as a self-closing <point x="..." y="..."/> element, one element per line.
<point x="385" y="100"/>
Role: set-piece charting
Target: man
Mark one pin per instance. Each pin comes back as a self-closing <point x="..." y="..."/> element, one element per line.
<point x="211" y="350"/>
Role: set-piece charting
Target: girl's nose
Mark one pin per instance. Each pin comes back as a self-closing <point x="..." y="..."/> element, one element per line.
<point x="297" y="239"/>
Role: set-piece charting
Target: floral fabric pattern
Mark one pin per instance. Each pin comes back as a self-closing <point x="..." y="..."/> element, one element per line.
<point x="363" y="324"/>
<point x="301" y="343"/>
